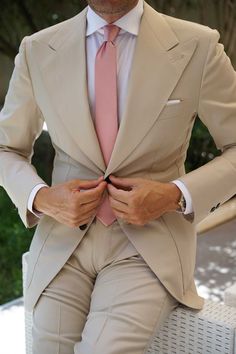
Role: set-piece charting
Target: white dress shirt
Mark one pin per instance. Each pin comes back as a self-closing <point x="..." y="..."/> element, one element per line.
<point x="125" y="42"/>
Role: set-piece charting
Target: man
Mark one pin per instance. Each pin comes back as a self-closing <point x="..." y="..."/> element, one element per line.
<point x="119" y="86"/>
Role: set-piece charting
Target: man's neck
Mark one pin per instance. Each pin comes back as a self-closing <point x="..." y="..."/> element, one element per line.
<point x="113" y="17"/>
<point x="110" y="18"/>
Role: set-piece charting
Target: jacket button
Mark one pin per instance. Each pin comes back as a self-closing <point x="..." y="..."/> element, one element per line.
<point x="83" y="227"/>
<point x="218" y="205"/>
<point x="108" y="180"/>
<point x="213" y="209"/>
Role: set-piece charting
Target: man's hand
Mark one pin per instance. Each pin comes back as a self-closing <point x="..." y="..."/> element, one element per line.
<point x="67" y="204"/>
<point x="138" y="201"/>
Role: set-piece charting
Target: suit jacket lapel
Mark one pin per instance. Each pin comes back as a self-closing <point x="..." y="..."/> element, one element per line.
<point x="158" y="63"/>
<point x="65" y="77"/>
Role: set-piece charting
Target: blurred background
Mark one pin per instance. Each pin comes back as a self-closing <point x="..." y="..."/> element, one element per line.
<point x="23" y="17"/>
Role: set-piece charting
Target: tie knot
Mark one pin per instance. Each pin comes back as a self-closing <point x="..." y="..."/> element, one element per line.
<point x="110" y="33"/>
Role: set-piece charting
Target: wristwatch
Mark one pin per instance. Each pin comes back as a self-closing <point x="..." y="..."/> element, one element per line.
<point x="181" y="204"/>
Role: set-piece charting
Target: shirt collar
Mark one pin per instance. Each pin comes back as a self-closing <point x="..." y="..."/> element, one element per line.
<point x="128" y="23"/>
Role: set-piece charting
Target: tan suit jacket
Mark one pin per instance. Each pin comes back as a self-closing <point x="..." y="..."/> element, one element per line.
<point x="173" y="59"/>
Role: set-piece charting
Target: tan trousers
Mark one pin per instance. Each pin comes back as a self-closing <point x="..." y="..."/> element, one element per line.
<point x="105" y="300"/>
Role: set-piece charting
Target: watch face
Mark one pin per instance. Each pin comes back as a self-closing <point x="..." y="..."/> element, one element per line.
<point x="182" y="204"/>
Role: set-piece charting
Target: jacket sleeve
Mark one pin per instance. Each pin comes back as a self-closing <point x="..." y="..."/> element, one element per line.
<point x="215" y="182"/>
<point x="21" y="122"/>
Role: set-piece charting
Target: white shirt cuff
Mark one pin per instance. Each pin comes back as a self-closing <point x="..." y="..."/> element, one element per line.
<point x="186" y="194"/>
<point x="31" y="199"/>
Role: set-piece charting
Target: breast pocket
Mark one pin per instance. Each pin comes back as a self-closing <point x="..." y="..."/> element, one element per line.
<point x="172" y="110"/>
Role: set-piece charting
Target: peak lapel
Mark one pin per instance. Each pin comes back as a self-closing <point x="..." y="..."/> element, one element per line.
<point x="65" y="77"/>
<point x="158" y="63"/>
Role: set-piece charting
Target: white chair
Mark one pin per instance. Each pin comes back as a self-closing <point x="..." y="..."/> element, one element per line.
<point x="28" y="315"/>
<point x="209" y="331"/>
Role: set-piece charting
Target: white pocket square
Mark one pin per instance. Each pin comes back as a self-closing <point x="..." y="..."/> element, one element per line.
<point x="171" y="102"/>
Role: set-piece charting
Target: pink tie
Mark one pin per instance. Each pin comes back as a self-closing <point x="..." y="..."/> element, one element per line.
<point x="106" y="114"/>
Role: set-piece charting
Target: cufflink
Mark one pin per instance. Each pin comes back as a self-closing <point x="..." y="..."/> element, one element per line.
<point x="182" y="204"/>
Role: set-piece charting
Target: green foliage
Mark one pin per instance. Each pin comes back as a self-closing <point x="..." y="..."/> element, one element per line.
<point x="202" y="148"/>
<point x="19" y="18"/>
<point x="43" y="157"/>
<point x="14" y="240"/>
